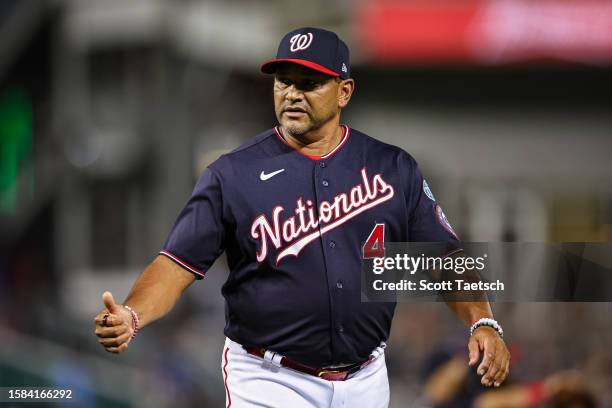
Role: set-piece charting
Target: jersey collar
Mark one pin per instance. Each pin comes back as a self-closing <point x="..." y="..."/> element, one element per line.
<point x="345" y="135"/>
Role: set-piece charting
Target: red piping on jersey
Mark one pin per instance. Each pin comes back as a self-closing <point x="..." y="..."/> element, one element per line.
<point x="266" y="67"/>
<point x="345" y="135"/>
<point x="182" y="263"/>
<point x="229" y="398"/>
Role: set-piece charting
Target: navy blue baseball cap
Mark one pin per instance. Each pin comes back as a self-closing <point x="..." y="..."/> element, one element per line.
<point x="314" y="48"/>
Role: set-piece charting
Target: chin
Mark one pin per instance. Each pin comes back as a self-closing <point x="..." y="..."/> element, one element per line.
<point x="295" y="128"/>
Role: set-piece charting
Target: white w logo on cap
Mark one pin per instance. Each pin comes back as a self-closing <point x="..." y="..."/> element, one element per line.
<point x="300" y="42"/>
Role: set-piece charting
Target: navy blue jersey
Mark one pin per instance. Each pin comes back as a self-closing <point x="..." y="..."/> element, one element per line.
<point x="292" y="227"/>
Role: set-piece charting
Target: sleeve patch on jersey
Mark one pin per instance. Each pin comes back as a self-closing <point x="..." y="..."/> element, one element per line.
<point x="427" y="191"/>
<point x="444" y="221"/>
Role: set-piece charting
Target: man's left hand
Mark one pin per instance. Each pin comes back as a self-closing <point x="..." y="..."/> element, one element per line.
<point x="495" y="364"/>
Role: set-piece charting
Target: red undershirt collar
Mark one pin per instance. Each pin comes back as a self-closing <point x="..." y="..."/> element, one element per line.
<point x="345" y="135"/>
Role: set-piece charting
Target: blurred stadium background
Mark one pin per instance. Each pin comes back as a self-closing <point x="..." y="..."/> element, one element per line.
<point x="109" y="110"/>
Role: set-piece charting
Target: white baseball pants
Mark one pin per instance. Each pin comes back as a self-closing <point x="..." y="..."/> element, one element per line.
<point x="251" y="381"/>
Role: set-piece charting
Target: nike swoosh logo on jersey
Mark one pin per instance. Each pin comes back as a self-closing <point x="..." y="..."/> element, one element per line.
<point x="263" y="176"/>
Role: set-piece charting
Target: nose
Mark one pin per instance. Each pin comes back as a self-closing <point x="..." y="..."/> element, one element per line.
<point x="293" y="94"/>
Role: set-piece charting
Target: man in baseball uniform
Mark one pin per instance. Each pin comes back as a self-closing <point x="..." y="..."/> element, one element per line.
<point x="292" y="208"/>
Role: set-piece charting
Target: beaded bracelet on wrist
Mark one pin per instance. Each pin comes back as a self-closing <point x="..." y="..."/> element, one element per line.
<point x="489" y="323"/>
<point x="135" y="321"/>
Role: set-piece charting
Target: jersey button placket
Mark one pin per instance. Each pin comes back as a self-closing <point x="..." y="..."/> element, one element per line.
<point x="330" y="247"/>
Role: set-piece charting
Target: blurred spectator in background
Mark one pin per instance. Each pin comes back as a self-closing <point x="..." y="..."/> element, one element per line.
<point x="448" y="381"/>
<point x="565" y="389"/>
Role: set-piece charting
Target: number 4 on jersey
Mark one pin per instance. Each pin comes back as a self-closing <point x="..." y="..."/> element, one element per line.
<point x="374" y="246"/>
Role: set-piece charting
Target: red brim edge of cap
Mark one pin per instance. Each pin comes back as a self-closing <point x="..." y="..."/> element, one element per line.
<point x="267" y="67"/>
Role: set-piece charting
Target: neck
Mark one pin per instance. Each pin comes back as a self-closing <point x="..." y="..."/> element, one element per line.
<point x="316" y="142"/>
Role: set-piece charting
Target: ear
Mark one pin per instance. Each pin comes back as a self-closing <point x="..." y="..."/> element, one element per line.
<point x="345" y="91"/>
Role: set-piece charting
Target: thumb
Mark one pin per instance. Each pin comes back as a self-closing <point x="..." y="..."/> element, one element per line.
<point x="474" y="351"/>
<point x="109" y="302"/>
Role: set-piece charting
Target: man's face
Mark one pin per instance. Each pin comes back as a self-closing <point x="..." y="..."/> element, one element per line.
<point x="305" y="99"/>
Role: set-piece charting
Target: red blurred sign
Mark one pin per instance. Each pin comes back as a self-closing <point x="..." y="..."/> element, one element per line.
<point x="485" y="31"/>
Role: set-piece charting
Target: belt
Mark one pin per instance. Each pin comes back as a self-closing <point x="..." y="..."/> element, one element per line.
<point x="329" y="374"/>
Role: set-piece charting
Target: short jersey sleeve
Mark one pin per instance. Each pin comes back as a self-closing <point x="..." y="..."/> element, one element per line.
<point x="196" y="240"/>
<point x="427" y="221"/>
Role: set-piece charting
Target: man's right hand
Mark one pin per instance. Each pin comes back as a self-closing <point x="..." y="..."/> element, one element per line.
<point x="117" y="332"/>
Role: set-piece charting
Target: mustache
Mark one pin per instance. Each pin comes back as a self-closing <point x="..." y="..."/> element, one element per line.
<point x="295" y="108"/>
